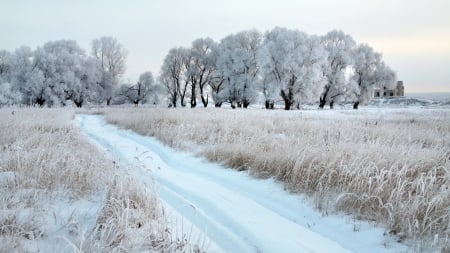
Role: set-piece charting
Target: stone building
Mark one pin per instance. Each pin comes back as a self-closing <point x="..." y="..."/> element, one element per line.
<point x="398" y="91"/>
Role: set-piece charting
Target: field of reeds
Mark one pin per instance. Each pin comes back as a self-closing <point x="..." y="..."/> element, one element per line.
<point x="387" y="166"/>
<point x="59" y="193"/>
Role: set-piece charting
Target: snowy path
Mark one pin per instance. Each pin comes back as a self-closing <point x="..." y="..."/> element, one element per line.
<point x="238" y="213"/>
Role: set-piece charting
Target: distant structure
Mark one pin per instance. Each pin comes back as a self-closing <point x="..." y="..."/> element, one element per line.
<point x="398" y="91"/>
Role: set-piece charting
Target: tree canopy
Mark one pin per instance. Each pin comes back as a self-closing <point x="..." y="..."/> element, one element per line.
<point x="281" y="66"/>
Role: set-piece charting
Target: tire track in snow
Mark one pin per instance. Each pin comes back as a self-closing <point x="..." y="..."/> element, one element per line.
<point x="229" y="207"/>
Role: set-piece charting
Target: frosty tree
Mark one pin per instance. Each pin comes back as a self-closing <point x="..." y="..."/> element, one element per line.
<point x="292" y="65"/>
<point x="20" y="72"/>
<point x="61" y="71"/>
<point x="237" y="61"/>
<point x="111" y="56"/>
<point x="171" y="74"/>
<point x="144" y="90"/>
<point x="8" y="95"/>
<point x="283" y="65"/>
<point x="339" y="47"/>
<point x="369" y="72"/>
<point x="186" y="71"/>
<point x="202" y="68"/>
<point x="5" y="64"/>
<point x="87" y="87"/>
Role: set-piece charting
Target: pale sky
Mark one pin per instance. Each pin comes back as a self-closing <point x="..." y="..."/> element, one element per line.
<point x="413" y="36"/>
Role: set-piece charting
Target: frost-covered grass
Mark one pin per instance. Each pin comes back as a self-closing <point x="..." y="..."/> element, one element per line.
<point x="390" y="166"/>
<point x="59" y="193"/>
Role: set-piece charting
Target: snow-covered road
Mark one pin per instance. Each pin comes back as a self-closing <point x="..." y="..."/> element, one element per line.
<point x="237" y="212"/>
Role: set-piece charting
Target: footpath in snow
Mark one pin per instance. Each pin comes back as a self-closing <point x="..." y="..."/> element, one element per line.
<point x="236" y="212"/>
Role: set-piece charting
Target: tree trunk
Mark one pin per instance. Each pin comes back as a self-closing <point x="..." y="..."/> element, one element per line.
<point x="218" y="105"/>
<point x="233" y="104"/>
<point x="287" y="103"/>
<point x="204" y="100"/>
<point x="332" y="104"/>
<point x="183" y="104"/>
<point x="323" y="97"/>
<point x="355" y="105"/>
<point x="270" y="104"/>
<point x="40" y="101"/>
<point x="108" y="101"/>
<point x="174" y="102"/>
<point x="288" y="98"/>
<point x="78" y="103"/>
<point x="193" y="96"/>
<point x="322" y="102"/>
<point x="246" y="103"/>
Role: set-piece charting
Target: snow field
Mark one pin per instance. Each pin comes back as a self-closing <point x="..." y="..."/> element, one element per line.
<point x="388" y="166"/>
<point x="59" y="193"/>
<point x="237" y="212"/>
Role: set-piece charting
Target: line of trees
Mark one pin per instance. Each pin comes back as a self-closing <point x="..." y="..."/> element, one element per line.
<point x="281" y="66"/>
<point x="61" y="71"/>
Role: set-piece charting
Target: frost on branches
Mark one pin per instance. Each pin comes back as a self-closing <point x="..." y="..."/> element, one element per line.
<point x="282" y="66"/>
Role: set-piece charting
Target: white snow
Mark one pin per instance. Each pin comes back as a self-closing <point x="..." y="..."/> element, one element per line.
<point x="237" y="213"/>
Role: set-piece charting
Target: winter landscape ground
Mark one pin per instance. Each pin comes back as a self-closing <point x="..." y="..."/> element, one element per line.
<point x="60" y="193"/>
<point x="371" y="180"/>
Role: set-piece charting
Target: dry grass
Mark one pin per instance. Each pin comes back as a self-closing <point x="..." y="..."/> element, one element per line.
<point x="42" y="158"/>
<point x="44" y="151"/>
<point x="45" y="161"/>
<point x="132" y="220"/>
<point x="391" y="166"/>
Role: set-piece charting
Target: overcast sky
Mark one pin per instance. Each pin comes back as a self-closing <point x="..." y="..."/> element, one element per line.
<point x="413" y="36"/>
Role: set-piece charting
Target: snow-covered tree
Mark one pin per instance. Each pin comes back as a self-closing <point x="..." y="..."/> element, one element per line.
<point x="237" y="61"/>
<point x="339" y="47"/>
<point x="5" y="64"/>
<point x="269" y="90"/>
<point x="112" y="62"/>
<point x="292" y="64"/>
<point x="87" y="87"/>
<point x="62" y="71"/>
<point x="8" y="96"/>
<point x="185" y="81"/>
<point x="171" y="74"/>
<point x="369" y="72"/>
<point x="202" y="68"/>
<point x="21" y="70"/>
<point x="143" y="91"/>
<point x="217" y="86"/>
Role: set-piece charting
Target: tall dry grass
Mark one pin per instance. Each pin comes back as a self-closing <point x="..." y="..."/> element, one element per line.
<point x="45" y="161"/>
<point x="44" y="151"/>
<point x="390" y="166"/>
